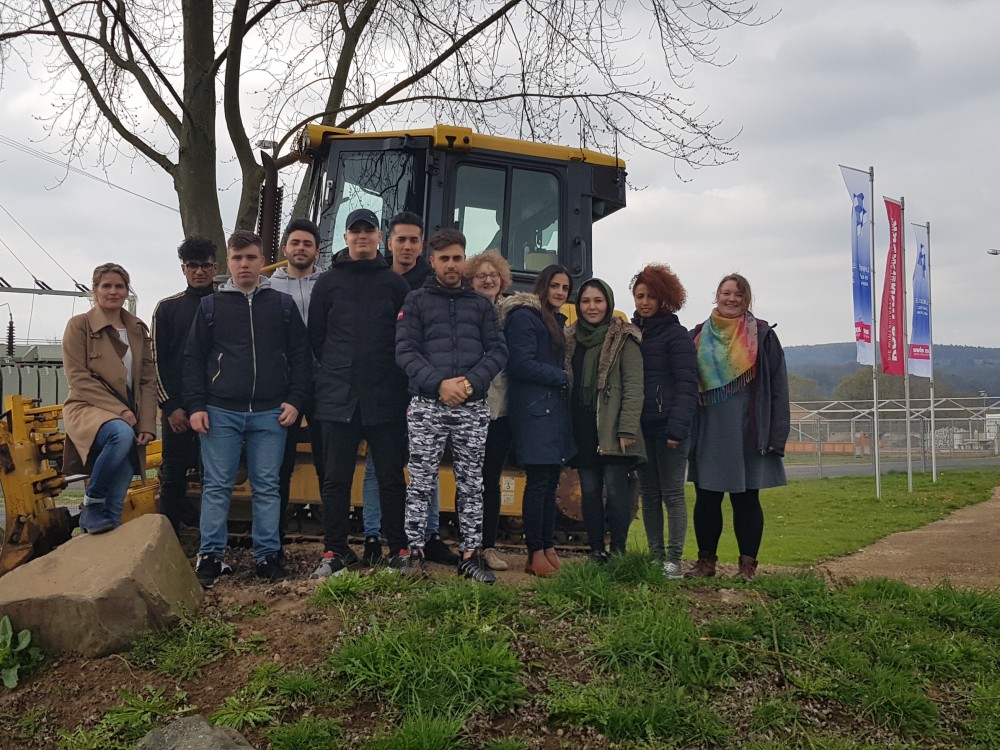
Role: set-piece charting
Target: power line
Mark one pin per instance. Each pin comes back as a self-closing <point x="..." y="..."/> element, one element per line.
<point x="76" y="170"/>
<point x="47" y="254"/>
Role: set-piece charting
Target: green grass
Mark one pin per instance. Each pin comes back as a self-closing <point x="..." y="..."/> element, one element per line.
<point x="413" y="666"/>
<point x="788" y="663"/>
<point x="124" y="724"/>
<point x="422" y="732"/>
<point x="185" y="649"/>
<point x="308" y="733"/>
<point x="811" y="520"/>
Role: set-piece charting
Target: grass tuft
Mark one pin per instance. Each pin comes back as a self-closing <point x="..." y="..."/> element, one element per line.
<point x="417" y="669"/>
<point x="423" y="732"/>
<point x="308" y="733"/>
<point x="185" y="649"/>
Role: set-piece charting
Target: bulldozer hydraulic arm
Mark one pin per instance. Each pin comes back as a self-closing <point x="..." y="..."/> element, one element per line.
<point x="31" y="449"/>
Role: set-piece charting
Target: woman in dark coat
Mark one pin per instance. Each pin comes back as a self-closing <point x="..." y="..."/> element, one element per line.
<point x="743" y="424"/>
<point x="537" y="406"/>
<point x="671" y="397"/>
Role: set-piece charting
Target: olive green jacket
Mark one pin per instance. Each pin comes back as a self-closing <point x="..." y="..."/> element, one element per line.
<point x="619" y="388"/>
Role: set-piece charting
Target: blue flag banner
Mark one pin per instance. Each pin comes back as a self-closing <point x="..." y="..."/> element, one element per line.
<point x="919" y="356"/>
<point x="860" y="188"/>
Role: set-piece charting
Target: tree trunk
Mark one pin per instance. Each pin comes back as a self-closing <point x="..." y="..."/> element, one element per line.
<point x="195" y="179"/>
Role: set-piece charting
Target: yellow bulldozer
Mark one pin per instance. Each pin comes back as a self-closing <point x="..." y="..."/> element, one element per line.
<point x="535" y="202"/>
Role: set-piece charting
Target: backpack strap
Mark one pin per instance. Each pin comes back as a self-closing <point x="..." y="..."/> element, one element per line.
<point x="287" y="303"/>
<point x="207" y="306"/>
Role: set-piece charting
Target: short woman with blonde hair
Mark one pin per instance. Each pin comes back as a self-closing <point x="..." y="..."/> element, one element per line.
<point x="490" y="276"/>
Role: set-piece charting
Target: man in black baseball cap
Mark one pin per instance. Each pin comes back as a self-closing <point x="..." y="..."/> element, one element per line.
<point x="360" y="391"/>
<point x="361" y="215"/>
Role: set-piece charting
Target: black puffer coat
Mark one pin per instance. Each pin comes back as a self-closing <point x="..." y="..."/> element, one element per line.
<point x="447" y="332"/>
<point x="352" y="330"/>
<point x="537" y="397"/>
<point x="671" y="377"/>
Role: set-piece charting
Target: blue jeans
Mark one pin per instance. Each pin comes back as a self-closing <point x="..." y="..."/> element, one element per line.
<point x="371" y="509"/>
<point x="220" y="457"/>
<point x="113" y="470"/>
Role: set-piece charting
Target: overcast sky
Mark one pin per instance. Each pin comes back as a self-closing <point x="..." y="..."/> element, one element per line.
<point x="907" y="86"/>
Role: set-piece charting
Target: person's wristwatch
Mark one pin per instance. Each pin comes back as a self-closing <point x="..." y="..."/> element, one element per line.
<point x="468" y="387"/>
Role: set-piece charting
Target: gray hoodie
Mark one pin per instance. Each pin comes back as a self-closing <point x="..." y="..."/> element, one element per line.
<point x="300" y="290"/>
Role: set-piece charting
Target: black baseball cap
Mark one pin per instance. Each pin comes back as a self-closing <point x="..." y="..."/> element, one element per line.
<point x="361" y="214"/>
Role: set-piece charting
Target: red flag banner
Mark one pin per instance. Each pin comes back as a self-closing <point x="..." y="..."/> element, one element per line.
<point x="891" y="337"/>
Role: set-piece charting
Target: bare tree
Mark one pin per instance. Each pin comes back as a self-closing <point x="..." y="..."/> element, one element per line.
<point x="151" y="75"/>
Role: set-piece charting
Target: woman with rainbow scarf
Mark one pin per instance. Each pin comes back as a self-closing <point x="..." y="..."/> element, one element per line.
<point x="742" y="425"/>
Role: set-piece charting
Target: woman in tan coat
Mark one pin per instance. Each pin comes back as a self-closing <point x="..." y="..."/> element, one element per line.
<point x="110" y="412"/>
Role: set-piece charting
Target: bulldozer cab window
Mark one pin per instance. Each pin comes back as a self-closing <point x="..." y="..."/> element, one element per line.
<point x="514" y="210"/>
<point x="384" y="182"/>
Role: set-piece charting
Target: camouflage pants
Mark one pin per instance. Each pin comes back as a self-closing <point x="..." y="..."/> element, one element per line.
<point x="430" y="423"/>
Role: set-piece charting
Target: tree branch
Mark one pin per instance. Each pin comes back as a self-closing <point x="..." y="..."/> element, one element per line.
<point x="127" y="135"/>
<point x="435" y="63"/>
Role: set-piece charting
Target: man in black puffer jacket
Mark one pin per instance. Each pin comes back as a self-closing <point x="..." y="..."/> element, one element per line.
<point x="449" y="343"/>
<point x="360" y="392"/>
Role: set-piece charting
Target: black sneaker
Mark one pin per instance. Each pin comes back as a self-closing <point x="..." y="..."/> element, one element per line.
<point x="333" y="564"/>
<point x="372" y="555"/>
<point x="208" y="568"/>
<point x="271" y="569"/>
<point x="409" y="563"/>
<point x="475" y="568"/>
<point x="437" y="551"/>
<point x="598" y="557"/>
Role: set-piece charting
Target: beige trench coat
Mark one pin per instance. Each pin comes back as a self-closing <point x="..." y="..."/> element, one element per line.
<point x="92" y="359"/>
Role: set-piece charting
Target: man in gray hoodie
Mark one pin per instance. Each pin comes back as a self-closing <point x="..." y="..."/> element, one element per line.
<point x="300" y="246"/>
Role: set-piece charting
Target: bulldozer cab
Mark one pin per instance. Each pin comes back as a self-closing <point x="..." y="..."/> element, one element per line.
<point x="534" y="202"/>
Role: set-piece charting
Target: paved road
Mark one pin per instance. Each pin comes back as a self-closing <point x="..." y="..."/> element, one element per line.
<point x="810" y="471"/>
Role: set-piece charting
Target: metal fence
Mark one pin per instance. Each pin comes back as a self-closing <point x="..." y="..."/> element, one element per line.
<point x="963" y="427"/>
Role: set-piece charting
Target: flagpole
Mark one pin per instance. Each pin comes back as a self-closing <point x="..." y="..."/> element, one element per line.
<point x="906" y="345"/>
<point x="875" y="436"/>
<point x="930" y="354"/>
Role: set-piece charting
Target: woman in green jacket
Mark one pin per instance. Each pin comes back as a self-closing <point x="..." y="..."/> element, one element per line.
<point x="604" y="362"/>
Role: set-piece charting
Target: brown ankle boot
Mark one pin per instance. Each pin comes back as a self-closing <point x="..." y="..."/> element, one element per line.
<point x="748" y="568"/>
<point x="538" y="565"/>
<point x="704" y="568"/>
<point x="552" y="557"/>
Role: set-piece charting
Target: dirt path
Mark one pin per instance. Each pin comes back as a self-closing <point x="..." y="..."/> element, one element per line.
<point x="963" y="549"/>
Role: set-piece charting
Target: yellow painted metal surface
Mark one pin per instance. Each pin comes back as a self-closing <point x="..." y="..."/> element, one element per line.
<point x="314" y="139"/>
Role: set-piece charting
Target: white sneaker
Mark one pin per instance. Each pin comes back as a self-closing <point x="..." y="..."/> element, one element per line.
<point x="493" y="559"/>
<point x="672" y="570"/>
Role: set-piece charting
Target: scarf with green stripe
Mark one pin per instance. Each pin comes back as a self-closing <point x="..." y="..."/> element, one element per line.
<point x="727" y="356"/>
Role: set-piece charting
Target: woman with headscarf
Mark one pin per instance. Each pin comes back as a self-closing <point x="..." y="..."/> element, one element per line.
<point x="534" y="327"/>
<point x="743" y="425"/>
<point x="604" y="358"/>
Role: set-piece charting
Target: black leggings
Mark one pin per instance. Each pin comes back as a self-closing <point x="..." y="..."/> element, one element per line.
<point x="748" y="520"/>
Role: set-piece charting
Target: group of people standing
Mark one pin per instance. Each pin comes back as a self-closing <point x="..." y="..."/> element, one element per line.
<point x="410" y="355"/>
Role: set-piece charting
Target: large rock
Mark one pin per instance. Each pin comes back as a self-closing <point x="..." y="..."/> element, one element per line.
<point x="96" y="594"/>
<point x="193" y="733"/>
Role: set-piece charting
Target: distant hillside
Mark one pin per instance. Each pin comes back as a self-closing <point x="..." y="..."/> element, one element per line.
<point x="958" y="370"/>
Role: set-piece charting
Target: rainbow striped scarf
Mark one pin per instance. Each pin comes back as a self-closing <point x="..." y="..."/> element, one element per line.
<point x="727" y="356"/>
